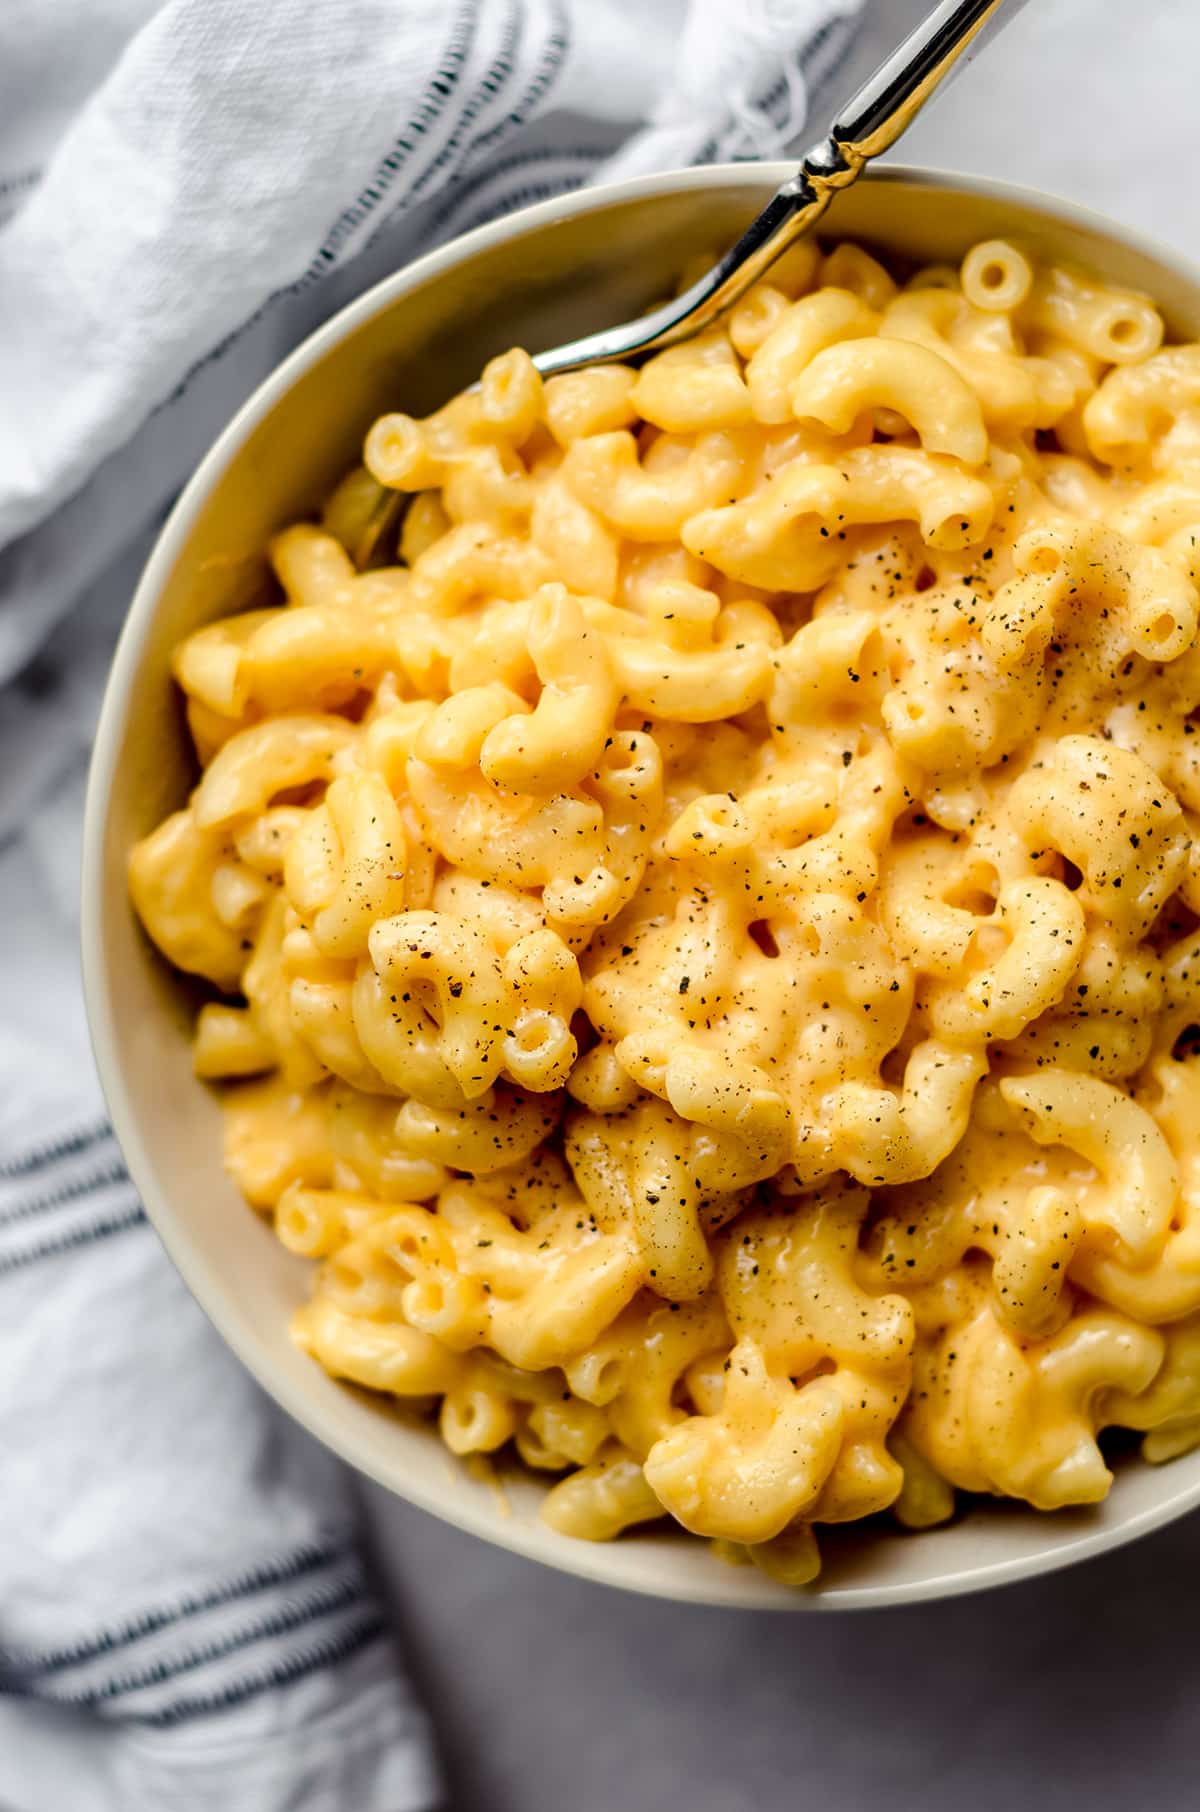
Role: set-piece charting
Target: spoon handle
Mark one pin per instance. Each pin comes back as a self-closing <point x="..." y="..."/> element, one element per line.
<point x="885" y="105"/>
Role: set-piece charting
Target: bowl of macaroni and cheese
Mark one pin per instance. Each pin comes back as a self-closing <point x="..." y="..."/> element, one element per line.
<point x="642" y="929"/>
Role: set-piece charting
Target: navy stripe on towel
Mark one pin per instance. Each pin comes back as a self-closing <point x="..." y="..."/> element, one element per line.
<point x="53" y="1151"/>
<point x="310" y="1558"/>
<point x="104" y="1176"/>
<point x="311" y="1660"/>
<point x="549" y="68"/>
<point x="505" y="185"/>
<point x="104" y="1228"/>
<point x="324" y="1601"/>
<point x="433" y="105"/>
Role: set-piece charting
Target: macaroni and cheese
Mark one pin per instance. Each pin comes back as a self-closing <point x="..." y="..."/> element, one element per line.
<point x="704" y="928"/>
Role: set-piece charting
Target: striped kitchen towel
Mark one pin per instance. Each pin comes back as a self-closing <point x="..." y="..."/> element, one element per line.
<point x="186" y="189"/>
<point x="181" y="1590"/>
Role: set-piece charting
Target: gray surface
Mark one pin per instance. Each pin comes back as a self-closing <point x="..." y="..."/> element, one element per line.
<point x="1078" y="1690"/>
<point x="1073" y="1690"/>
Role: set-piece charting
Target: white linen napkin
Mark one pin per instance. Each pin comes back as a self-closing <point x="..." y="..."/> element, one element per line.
<point x="186" y="189"/>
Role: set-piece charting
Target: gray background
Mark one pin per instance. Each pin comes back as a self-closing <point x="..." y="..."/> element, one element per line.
<point x="1076" y="1689"/>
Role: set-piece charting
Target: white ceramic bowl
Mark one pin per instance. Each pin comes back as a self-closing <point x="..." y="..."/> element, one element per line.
<point x="535" y="279"/>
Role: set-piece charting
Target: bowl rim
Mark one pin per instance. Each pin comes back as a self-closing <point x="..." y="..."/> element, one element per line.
<point x="511" y="1534"/>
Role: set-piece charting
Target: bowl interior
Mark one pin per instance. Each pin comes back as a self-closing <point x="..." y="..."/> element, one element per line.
<point x="543" y="277"/>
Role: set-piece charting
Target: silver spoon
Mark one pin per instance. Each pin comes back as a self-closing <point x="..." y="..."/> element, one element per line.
<point x="871" y="122"/>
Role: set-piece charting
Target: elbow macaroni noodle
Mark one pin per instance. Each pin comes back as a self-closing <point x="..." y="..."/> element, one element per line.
<point x="706" y="942"/>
